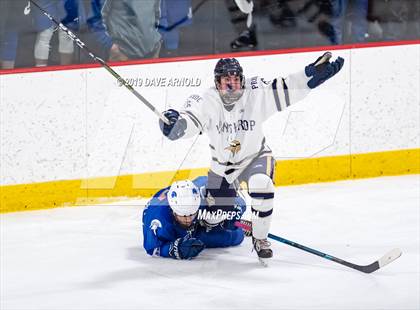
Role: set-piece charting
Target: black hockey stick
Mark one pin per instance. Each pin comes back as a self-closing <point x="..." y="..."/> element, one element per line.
<point x="102" y="62"/>
<point x="383" y="261"/>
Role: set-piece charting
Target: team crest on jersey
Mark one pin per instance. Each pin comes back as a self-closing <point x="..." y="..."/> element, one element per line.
<point x="234" y="147"/>
<point x="154" y="225"/>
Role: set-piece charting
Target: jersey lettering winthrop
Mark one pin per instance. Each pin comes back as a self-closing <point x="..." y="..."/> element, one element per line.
<point x="241" y="124"/>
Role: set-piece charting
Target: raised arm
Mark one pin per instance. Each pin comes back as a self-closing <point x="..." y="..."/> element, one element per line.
<point x="295" y="87"/>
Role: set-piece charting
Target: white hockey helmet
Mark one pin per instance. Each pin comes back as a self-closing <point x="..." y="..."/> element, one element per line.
<point x="184" y="198"/>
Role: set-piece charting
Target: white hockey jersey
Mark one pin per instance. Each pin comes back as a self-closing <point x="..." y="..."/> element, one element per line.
<point x="236" y="136"/>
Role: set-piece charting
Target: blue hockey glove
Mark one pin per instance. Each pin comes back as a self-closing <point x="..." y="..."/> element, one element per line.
<point x="322" y="69"/>
<point x="186" y="248"/>
<point x="176" y="128"/>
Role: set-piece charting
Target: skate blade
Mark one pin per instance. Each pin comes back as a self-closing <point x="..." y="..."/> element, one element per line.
<point x="263" y="262"/>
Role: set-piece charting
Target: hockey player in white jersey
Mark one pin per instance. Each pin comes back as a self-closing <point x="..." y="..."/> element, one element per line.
<point x="232" y="114"/>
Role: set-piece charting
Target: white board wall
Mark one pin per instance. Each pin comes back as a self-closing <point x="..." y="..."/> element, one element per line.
<point x="63" y="125"/>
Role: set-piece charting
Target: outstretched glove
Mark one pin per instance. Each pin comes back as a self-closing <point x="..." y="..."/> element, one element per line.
<point x="322" y="69"/>
<point x="176" y="127"/>
<point x="186" y="248"/>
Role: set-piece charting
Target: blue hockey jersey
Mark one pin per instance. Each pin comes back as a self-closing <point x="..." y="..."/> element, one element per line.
<point x="160" y="229"/>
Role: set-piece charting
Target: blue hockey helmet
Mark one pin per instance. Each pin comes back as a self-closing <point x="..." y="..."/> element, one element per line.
<point x="229" y="67"/>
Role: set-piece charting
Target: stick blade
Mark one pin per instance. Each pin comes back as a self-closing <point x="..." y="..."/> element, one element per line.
<point x="389" y="257"/>
<point x="383" y="261"/>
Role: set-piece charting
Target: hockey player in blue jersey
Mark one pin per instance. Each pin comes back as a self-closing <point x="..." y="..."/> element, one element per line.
<point x="172" y="225"/>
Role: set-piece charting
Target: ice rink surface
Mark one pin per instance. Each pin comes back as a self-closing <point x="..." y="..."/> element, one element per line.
<point x="91" y="257"/>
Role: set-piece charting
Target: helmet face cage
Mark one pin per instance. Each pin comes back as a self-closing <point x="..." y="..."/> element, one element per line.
<point x="229" y="67"/>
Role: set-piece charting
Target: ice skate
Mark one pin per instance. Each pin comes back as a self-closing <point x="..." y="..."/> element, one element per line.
<point x="264" y="252"/>
<point x="247" y="39"/>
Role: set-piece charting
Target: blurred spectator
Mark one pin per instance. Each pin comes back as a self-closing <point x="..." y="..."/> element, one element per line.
<point x="340" y="12"/>
<point x="284" y="15"/>
<point x="357" y="17"/>
<point x="15" y="17"/>
<point x="45" y="30"/>
<point x="132" y="25"/>
<point x="174" y="14"/>
<point x="2" y="26"/>
<point x="25" y="33"/>
<point x="85" y="19"/>
<point x="248" y="37"/>
<point x="395" y="17"/>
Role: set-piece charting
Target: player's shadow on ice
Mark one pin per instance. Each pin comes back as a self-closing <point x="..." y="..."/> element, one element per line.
<point x="212" y="263"/>
<point x="221" y="257"/>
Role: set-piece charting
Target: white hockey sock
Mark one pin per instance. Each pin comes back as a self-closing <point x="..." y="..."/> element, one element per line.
<point x="261" y="190"/>
<point x="260" y="220"/>
<point x="65" y="44"/>
<point x="42" y="44"/>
